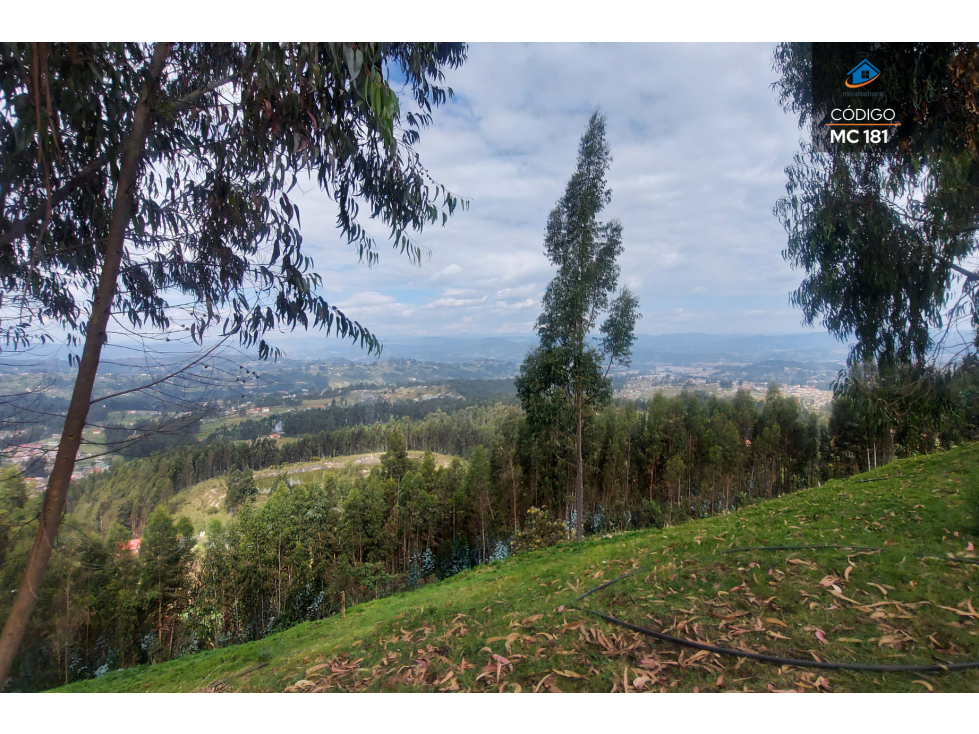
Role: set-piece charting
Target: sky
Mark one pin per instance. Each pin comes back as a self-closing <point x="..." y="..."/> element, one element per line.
<point x="699" y="144"/>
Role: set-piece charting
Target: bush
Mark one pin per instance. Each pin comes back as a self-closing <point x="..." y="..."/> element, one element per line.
<point x="651" y="514"/>
<point x="241" y="489"/>
<point x="539" y="531"/>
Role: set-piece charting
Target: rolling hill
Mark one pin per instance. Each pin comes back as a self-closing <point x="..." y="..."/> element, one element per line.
<point x="511" y="626"/>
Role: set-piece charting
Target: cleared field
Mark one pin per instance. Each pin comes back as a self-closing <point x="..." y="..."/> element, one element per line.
<point x="204" y="501"/>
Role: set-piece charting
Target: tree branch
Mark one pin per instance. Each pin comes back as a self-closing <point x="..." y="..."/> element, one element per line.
<point x="969" y="275"/>
<point x="186" y="102"/>
<point x="165" y="377"/>
<point x="19" y="228"/>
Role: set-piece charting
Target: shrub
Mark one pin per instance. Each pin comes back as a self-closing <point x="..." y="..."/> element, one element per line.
<point x="539" y="531"/>
<point x="651" y="514"/>
<point x="241" y="488"/>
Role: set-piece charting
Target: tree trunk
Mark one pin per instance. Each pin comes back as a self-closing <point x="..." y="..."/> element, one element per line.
<point x="513" y="482"/>
<point x="95" y="336"/>
<point x="628" y="465"/>
<point x="67" y="620"/>
<point x="579" y="482"/>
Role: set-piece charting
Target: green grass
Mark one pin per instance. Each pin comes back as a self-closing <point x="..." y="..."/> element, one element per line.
<point x="507" y="626"/>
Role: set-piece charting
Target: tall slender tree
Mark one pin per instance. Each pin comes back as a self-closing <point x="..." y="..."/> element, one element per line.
<point x="149" y="183"/>
<point x="565" y="379"/>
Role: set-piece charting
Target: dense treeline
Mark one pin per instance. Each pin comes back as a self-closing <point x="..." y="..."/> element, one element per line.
<point x="334" y="417"/>
<point x="300" y="551"/>
<point x="101" y="606"/>
<point x="464" y="393"/>
<point x="901" y="410"/>
<point x="132" y="490"/>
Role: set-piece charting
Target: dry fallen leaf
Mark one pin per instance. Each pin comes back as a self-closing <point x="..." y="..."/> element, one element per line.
<point x="960" y="612"/>
<point x="890" y="640"/>
<point x="541" y="683"/>
<point x="569" y="674"/>
<point x="839" y="595"/>
<point x="926" y="684"/>
<point x="800" y="562"/>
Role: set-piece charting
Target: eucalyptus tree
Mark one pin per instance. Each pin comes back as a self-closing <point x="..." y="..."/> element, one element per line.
<point x="150" y="184"/>
<point x="565" y="379"/>
<point x="886" y="233"/>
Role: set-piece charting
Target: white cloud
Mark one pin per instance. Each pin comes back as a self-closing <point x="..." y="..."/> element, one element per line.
<point x="698" y="165"/>
<point x="456" y="302"/>
<point x="447" y="272"/>
<point x="503" y="306"/>
<point x="370" y="305"/>
<point x="518" y="291"/>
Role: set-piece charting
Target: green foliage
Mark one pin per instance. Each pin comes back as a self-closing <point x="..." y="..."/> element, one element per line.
<point x="651" y="514"/>
<point x="16" y="514"/>
<point x="13" y="489"/>
<point x="540" y="530"/>
<point x="185" y="530"/>
<point x="395" y="459"/>
<point x="164" y="581"/>
<point x="233" y="126"/>
<point x="290" y="557"/>
<point x="901" y="410"/>
<point x="129" y="491"/>
<point x="478" y="480"/>
<point x="241" y="489"/>
<point x="882" y="231"/>
<point x="561" y="382"/>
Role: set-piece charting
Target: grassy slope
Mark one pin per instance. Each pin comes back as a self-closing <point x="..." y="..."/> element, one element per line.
<point x="516" y="609"/>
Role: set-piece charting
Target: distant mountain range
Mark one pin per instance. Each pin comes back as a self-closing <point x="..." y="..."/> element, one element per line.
<point x="682" y="349"/>
<point x="670" y="349"/>
<point x="649" y="350"/>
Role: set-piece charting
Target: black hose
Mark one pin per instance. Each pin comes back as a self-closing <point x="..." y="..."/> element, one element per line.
<point x="774" y="659"/>
<point x="938" y="667"/>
